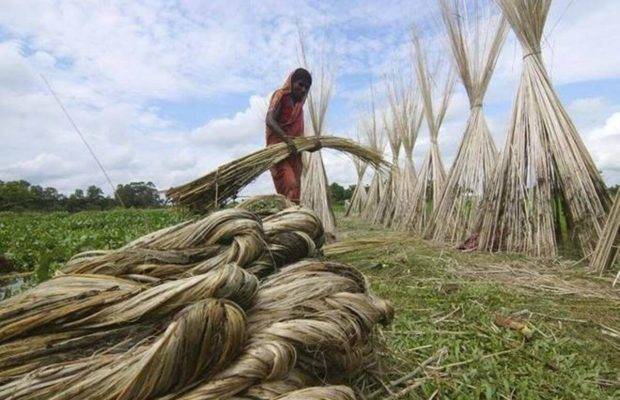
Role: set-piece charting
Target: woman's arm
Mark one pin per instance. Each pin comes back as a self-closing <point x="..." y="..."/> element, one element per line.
<point x="272" y="122"/>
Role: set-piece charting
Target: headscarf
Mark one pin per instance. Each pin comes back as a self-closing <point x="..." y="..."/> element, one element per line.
<point x="286" y="89"/>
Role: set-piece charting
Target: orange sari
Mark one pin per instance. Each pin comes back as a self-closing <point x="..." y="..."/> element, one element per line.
<point x="287" y="173"/>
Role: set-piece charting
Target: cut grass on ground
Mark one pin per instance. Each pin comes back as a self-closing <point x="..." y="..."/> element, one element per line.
<point x="457" y="304"/>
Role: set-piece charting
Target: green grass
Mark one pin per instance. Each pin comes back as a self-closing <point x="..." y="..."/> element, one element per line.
<point x="438" y="305"/>
<point x="42" y="241"/>
<point x="562" y="360"/>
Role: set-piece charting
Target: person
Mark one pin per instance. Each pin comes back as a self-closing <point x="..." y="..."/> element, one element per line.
<point x="285" y="121"/>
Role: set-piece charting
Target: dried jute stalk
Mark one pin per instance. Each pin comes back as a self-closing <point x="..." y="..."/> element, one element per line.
<point x="476" y="35"/>
<point x="606" y="252"/>
<point x="217" y="187"/>
<point x="432" y="174"/>
<point x="545" y="178"/>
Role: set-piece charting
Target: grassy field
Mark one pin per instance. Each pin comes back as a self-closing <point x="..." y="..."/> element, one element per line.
<point x="500" y="326"/>
<point x="42" y="241"/>
<point x="563" y="342"/>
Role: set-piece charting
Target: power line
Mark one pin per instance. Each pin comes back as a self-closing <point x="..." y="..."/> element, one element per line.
<point x="570" y="3"/>
<point x="77" y="130"/>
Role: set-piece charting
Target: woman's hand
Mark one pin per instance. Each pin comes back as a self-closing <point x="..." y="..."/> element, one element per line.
<point x="291" y="145"/>
<point x="317" y="146"/>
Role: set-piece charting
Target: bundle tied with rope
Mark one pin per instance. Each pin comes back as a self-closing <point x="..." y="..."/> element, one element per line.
<point x="221" y="307"/>
<point x="217" y="187"/>
<point x="546" y="187"/>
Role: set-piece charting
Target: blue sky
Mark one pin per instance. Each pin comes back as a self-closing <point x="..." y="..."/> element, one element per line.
<point x="167" y="90"/>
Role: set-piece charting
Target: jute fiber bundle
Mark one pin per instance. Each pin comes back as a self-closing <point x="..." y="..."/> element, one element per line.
<point x="206" y="333"/>
<point x="140" y="336"/>
<point x="314" y="315"/>
<point x="432" y="175"/>
<point x="606" y="251"/>
<point x="237" y="236"/>
<point x="545" y="174"/>
<point x="194" y="247"/>
<point x="311" y="393"/>
<point x="217" y="187"/>
<point x="292" y="234"/>
<point x="321" y="393"/>
<point x="314" y="185"/>
<point x="188" y="248"/>
<point x="476" y="37"/>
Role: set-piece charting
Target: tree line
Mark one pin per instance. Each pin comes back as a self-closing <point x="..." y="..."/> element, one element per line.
<point x="23" y="196"/>
<point x="340" y="194"/>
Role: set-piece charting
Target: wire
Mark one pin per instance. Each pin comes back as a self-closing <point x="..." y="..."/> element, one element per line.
<point x="77" y="130"/>
<point x="545" y="38"/>
<point x="559" y="18"/>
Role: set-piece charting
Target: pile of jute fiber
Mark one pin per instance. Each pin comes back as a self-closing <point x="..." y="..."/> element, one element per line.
<point x="228" y="306"/>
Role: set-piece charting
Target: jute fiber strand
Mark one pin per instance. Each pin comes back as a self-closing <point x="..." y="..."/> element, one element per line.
<point x="546" y="175"/>
<point x="377" y="142"/>
<point x="432" y="174"/>
<point x="311" y="393"/>
<point x="606" y="252"/>
<point x="314" y="185"/>
<point x="294" y="381"/>
<point x="292" y="234"/>
<point x="320" y="393"/>
<point x="158" y="325"/>
<point x="277" y="240"/>
<point x="476" y="36"/>
<point x="190" y="247"/>
<point x="385" y="207"/>
<point x="194" y="247"/>
<point x="407" y="115"/>
<point x="217" y="187"/>
<point x="359" y="196"/>
<point x="311" y="314"/>
<point x="217" y="333"/>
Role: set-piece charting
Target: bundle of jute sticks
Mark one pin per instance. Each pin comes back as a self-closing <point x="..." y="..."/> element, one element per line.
<point x="218" y="186"/>
<point x="222" y="307"/>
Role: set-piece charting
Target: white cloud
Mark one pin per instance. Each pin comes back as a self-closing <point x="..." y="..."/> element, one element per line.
<point x="588" y="112"/>
<point x="44" y="165"/>
<point x="604" y="143"/>
<point x="111" y="62"/>
<point x="576" y="45"/>
<point x="577" y="41"/>
<point x="246" y="129"/>
<point x="15" y="73"/>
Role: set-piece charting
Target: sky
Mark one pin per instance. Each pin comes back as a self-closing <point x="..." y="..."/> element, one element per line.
<point x="165" y="91"/>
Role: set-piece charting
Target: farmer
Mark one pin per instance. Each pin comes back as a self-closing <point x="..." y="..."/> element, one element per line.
<point x="285" y="120"/>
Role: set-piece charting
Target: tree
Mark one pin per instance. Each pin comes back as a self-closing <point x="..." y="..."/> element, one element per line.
<point x="76" y="202"/>
<point x="16" y="196"/>
<point x="339" y="194"/>
<point x="21" y="196"/>
<point x="139" y="194"/>
<point x="94" y="197"/>
<point x="52" y="200"/>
